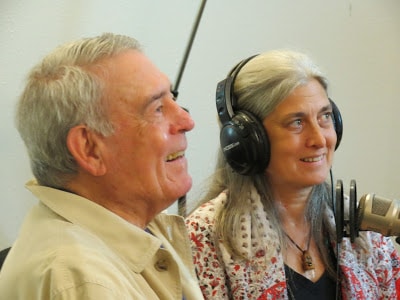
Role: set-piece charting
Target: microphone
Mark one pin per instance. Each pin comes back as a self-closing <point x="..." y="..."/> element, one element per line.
<point x="379" y="214"/>
<point x="373" y="213"/>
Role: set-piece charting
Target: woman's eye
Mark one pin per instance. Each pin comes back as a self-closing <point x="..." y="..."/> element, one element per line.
<point x="327" y="117"/>
<point x="296" y="123"/>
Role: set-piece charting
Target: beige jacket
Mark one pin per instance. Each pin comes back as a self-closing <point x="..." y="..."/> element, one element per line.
<point x="72" y="248"/>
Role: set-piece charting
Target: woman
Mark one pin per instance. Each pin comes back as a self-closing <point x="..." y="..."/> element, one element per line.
<point x="265" y="228"/>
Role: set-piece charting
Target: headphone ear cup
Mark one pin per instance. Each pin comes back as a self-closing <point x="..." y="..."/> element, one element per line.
<point x="337" y="122"/>
<point x="245" y="144"/>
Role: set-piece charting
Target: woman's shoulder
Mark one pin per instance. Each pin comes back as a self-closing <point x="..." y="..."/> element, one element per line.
<point x="370" y="245"/>
<point x="378" y="241"/>
<point x="207" y="211"/>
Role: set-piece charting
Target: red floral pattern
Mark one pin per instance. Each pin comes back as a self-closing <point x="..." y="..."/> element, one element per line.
<point x="370" y="267"/>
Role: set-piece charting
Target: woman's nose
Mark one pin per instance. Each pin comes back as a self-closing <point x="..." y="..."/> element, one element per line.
<point x="316" y="137"/>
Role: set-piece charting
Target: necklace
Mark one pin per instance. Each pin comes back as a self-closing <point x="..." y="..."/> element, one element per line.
<point x="307" y="262"/>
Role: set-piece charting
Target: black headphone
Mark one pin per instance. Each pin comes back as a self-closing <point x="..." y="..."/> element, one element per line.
<point x="244" y="140"/>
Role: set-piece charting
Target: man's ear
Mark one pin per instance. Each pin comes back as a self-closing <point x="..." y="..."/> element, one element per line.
<point x="83" y="144"/>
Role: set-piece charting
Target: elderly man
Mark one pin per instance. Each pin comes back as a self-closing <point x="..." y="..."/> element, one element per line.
<point x="106" y="141"/>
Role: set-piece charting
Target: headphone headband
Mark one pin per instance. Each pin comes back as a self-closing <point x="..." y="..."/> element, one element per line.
<point x="225" y="98"/>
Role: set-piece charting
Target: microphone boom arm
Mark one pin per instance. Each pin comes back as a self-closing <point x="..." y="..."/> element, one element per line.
<point x="188" y="48"/>
<point x="182" y="199"/>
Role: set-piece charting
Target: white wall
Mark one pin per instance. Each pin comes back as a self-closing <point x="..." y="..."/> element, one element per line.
<point x="356" y="42"/>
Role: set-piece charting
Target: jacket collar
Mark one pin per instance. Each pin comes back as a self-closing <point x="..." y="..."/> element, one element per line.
<point x="114" y="231"/>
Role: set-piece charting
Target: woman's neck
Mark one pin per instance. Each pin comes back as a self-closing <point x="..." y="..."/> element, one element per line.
<point x="292" y="207"/>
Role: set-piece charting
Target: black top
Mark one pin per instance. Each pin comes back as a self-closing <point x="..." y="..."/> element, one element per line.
<point x="301" y="288"/>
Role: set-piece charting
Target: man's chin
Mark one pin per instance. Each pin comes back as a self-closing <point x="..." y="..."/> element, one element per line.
<point x="183" y="185"/>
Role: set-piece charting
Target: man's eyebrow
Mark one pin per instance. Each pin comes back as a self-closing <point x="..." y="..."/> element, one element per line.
<point x="157" y="96"/>
<point x="149" y="99"/>
<point x="165" y="92"/>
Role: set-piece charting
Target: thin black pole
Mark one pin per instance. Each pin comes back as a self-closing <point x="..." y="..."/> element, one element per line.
<point x="189" y="46"/>
<point x="182" y="200"/>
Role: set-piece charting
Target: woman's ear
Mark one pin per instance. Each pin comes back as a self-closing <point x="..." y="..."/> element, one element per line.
<point x="83" y="145"/>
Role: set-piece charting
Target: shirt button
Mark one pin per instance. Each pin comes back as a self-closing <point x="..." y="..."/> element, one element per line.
<point x="161" y="265"/>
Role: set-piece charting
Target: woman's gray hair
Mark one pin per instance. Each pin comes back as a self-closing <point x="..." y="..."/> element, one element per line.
<point x="267" y="79"/>
<point x="63" y="91"/>
<point x="263" y="83"/>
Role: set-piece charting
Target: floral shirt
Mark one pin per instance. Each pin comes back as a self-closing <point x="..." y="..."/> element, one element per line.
<point x="369" y="267"/>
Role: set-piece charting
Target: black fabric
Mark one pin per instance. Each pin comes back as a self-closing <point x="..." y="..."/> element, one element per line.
<point x="3" y="255"/>
<point x="301" y="288"/>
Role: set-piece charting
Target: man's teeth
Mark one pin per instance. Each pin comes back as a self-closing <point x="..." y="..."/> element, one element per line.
<point x="175" y="155"/>
<point x="313" y="159"/>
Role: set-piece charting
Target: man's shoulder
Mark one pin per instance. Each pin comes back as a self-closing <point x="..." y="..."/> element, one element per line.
<point x="56" y="267"/>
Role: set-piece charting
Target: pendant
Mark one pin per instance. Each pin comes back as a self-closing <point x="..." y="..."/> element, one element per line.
<point x="307" y="261"/>
<point x="308" y="265"/>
